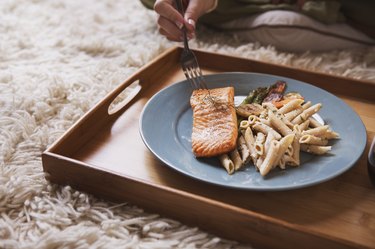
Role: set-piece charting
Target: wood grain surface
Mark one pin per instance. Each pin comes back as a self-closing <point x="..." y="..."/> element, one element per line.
<point x="104" y="154"/>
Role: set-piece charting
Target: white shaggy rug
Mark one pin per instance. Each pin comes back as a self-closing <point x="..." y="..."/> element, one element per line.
<point x="57" y="59"/>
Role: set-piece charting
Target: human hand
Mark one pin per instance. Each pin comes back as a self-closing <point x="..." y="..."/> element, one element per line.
<point x="170" y="21"/>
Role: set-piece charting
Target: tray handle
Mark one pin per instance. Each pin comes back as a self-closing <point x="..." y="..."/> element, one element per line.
<point x="116" y="102"/>
<point x="128" y="92"/>
<point x="121" y="97"/>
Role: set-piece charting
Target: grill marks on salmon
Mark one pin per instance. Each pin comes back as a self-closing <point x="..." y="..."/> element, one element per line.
<point x="215" y="128"/>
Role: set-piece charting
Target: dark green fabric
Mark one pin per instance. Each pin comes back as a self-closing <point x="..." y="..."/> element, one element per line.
<point x="325" y="11"/>
<point x="359" y="11"/>
<point x="148" y="3"/>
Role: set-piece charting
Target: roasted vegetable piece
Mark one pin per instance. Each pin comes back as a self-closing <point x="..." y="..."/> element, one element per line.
<point x="250" y="98"/>
<point x="263" y="91"/>
<point x="246" y="110"/>
<point x="276" y="92"/>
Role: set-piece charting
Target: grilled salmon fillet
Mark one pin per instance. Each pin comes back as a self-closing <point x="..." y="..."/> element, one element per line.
<point x="215" y="128"/>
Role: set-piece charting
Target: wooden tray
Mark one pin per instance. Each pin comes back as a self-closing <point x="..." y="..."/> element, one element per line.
<point x="103" y="154"/>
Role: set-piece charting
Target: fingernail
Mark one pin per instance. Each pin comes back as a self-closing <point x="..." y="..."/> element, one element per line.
<point x="191" y="22"/>
<point x="179" y="24"/>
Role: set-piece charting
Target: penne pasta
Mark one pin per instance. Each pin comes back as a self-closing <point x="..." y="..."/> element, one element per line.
<point x="259" y="143"/>
<point x="311" y="139"/>
<point x="260" y="138"/>
<point x="270" y="137"/>
<point x="294" y="113"/>
<point x="275" y="137"/>
<point x="265" y="129"/>
<point x="270" y="106"/>
<point x="281" y="163"/>
<point x="303" y="126"/>
<point x="290" y="149"/>
<point x="227" y="163"/>
<point x="284" y="143"/>
<point x="289" y="160"/>
<point x="292" y="105"/>
<point x="259" y="149"/>
<point x="306" y="114"/>
<point x="278" y="124"/>
<point x="314" y="123"/>
<point x="259" y="162"/>
<point x="252" y="119"/>
<point x="250" y="142"/>
<point x="236" y="159"/>
<point x="330" y="135"/>
<point x="306" y="105"/>
<point x="318" y="131"/>
<point x="315" y="149"/>
<point x="244" y="150"/>
<point x="265" y="121"/>
<point x="286" y="121"/>
<point x="296" y="145"/>
<point x="244" y="124"/>
<point x="269" y="160"/>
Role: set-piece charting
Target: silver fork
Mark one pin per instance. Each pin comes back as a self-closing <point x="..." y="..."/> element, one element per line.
<point x="188" y="61"/>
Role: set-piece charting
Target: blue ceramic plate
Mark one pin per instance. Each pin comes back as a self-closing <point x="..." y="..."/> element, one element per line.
<point x="166" y="126"/>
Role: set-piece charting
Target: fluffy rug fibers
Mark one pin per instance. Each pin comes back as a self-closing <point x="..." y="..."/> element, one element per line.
<point x="59" y="58"/>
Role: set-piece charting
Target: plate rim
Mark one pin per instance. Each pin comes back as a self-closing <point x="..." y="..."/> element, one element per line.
<point x="255" y="188"/>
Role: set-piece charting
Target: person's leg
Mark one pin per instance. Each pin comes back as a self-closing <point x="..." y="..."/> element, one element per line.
<point x="295" y="32"/>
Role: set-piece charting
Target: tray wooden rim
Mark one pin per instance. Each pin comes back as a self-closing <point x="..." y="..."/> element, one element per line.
<point x="102" y="106"/>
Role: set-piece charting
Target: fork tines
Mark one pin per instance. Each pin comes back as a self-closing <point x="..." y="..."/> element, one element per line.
<point x="188" y="60"/>
<point x="192" y="70"/>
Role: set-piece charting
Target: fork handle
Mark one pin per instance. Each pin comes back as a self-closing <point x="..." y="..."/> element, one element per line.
<point x="180" y="9"/>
